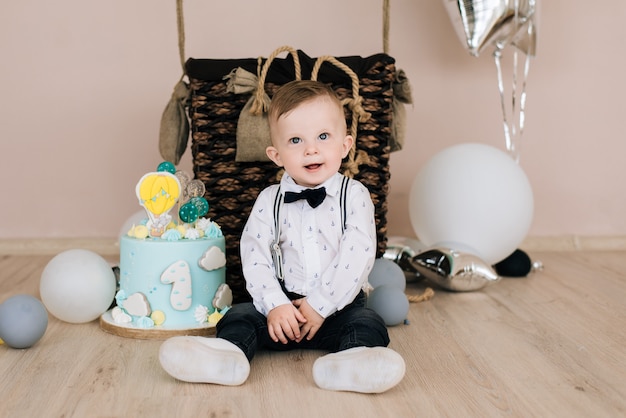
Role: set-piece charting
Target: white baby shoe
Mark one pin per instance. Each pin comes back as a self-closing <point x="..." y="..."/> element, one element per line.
<point x="359" y="369"/>
<point x="206" y="360"/>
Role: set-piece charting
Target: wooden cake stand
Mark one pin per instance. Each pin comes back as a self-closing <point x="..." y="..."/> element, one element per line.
<point x="157" y="333"/>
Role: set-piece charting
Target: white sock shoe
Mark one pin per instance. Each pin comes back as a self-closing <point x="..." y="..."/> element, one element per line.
<point x="206" y="360"/>
<point x="359" y="369"/>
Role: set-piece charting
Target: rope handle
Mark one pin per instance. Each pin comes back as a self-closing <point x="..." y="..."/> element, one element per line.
<point x="355" y="104"/>
<point x="260" y="104"/>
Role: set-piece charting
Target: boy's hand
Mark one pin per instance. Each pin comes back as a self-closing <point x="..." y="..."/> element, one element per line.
<point x="313" y="321"/>
<point x="283" y="323"/>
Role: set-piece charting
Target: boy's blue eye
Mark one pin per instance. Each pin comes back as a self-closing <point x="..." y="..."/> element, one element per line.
<point x="295" y="140"/>
<point x="323" y="136"/>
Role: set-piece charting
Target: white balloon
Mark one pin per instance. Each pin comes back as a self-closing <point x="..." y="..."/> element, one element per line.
<point x="77" y="286"/>
<point x="135" y="219"/>
<point x="474" y="198"/>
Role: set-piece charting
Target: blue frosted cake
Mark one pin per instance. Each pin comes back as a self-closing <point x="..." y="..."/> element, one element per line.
<point x="172" y="271"/>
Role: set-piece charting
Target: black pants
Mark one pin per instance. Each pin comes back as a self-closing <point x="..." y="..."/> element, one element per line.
<point x="353" y="326"/>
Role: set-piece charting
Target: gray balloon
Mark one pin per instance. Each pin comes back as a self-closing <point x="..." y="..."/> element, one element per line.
<point x="23" y="321"/>
<point x="390" y="303"/>
<point x="387" y="273"/>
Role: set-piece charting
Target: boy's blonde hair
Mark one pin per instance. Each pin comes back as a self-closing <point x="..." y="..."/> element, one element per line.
<point x="292" y="94"/>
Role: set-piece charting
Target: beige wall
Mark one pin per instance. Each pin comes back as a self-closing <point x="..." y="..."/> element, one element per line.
<point x="83" y="85"/>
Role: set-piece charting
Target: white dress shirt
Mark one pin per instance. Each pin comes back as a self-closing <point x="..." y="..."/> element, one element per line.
<point x="327" y="266"/>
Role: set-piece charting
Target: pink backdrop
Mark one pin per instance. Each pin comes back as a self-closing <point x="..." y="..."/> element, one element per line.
<point x="83" y="85"/>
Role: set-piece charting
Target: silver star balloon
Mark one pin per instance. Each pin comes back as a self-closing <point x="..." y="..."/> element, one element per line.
<point x="481" y="23"/>
<point x="454" y="270"/>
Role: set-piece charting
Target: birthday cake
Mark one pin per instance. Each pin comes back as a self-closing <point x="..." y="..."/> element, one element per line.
<point x="172" y="270"/>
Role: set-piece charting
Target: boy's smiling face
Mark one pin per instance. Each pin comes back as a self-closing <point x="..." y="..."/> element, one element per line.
<point x="310" y="141"/>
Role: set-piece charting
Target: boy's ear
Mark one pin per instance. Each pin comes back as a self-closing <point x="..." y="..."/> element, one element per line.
<point x="272" y="154"/>
<point x="347" y="145"/>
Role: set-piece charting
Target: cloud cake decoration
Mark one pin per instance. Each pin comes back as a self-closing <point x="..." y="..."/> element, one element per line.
<point x="212" y="259"/>
<point x="137" y="304"/>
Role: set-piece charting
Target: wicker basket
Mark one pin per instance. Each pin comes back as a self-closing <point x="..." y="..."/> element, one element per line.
<point x="232" y="187"/>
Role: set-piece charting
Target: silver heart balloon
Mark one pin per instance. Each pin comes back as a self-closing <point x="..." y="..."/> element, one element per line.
<point x="454" y="270"/>
<point x="480" y="23"/>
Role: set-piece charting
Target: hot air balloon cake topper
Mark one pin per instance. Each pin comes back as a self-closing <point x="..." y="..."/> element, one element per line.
<point x="161" y="191"/>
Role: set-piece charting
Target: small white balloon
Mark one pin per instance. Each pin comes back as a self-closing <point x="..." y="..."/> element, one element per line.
<point x="77" y="286"/>
<point x="138" y="218"/>
<point x="474" y="198"/>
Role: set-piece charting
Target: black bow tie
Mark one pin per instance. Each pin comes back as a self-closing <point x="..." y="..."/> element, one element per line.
<point x="314" y="197"/>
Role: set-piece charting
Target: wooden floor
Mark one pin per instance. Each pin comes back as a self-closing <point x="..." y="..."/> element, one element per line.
<point x="551" y="344"/>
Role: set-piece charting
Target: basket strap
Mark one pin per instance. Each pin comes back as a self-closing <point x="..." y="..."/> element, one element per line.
<point x="180" y="24"/>
<point x="386" y="10"/>
<point x="260" y="103"/>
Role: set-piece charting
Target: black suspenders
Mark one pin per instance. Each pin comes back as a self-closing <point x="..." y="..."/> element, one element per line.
<point x="277" y="256"/>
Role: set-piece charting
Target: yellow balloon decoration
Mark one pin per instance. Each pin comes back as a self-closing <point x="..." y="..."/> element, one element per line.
<point x="158" y="192"/>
